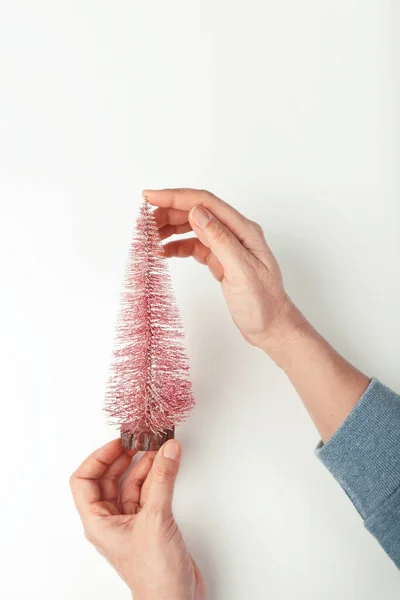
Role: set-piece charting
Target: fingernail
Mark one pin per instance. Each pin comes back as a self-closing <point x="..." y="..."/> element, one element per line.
<point x="172" y="450"/>
<point x="200" y="216"/>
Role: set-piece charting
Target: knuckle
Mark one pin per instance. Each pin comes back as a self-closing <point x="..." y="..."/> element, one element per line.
<point x="206" y="193"/>
<point x="256" y="228"/>
<point x="219" y="233"/>
<point x="164" y="473"/>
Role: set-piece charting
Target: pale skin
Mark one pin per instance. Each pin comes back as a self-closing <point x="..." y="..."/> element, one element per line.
<point x="132" y="523"/>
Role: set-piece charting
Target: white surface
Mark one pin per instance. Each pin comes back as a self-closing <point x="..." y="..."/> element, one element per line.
<point x="287" y="110"/>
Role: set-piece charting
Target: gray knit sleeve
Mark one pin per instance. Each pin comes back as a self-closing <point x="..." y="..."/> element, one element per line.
<point x="364" y="457"/>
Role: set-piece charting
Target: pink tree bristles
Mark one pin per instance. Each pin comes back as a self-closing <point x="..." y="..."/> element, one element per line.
<point x="149" y="388"/>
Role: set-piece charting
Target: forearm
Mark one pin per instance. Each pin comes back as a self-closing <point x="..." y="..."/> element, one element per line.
<point x="176" y="594"/>
<point x="328" y="385"/>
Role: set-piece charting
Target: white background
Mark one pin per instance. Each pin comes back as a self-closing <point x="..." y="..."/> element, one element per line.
<point x="287" y="110"/>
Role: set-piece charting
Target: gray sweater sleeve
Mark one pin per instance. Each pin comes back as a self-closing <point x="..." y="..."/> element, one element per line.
<point x="364" y="457"/>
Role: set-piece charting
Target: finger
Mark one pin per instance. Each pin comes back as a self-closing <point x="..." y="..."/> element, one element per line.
<point x="109" y="482"/>
<point x="200" y="252"/>
<point x="163" y="475"/>
<point x="132" y="485"/>
<point x="168" y="230"/>
<point x="249" y="233"/>
<point x="84" y="481"/>
<point x="185" y="199"/>
<point x="187" y="247"/>
<point x="144" y="492"/>
<point x="100" y="460"/>
<point x="223" y="244"/>
<point x="170" y="216"/>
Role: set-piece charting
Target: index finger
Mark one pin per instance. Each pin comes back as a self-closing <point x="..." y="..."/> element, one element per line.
<point x="185" y="199"/>
<point x="84" y="481"/>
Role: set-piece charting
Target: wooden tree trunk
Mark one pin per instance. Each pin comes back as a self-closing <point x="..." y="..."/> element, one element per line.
<point x="146" y="441"/>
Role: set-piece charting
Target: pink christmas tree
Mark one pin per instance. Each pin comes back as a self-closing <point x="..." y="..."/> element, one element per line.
<point x="149" y="391"/>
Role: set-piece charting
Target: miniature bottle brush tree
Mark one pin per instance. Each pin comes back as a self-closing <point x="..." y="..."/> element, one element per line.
<point x="148" y="392"/>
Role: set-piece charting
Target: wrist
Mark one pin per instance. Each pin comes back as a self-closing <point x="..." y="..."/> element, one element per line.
<point x="290" y="326"/>
<point x="167" y="595"/>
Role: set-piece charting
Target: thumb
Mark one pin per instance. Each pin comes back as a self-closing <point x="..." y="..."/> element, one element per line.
<point x="216" y="236"/>
<point x="162" y="476"/>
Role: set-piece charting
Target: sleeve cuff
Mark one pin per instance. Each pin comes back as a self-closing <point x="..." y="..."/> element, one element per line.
<point x="384" y="525"/>
<point x="364" y="457"/>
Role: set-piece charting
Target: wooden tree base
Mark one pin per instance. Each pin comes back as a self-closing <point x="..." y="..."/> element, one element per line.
<point x="146" y="441"/>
